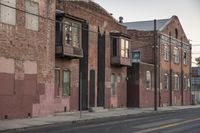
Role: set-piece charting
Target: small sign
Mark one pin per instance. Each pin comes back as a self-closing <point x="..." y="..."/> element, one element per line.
<point x="136" y="56"/>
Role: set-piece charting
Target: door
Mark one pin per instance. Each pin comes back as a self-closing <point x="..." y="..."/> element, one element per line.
<point x="92" y="88"/>
<point x="101" y="70"/>
<point x="84" y="68"/>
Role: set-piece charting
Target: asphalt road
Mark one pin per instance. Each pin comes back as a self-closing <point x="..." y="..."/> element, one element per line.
<point x="182" y="121"/>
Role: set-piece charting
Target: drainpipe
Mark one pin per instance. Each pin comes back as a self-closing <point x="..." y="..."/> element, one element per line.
<point x="170" y="60"/>
<point x="181" y="72"/>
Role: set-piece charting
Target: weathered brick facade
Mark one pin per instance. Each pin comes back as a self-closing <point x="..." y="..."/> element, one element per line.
<point x="27" y="61"/>
<point x="172" y="35"/>
<point x="99" y="22"/>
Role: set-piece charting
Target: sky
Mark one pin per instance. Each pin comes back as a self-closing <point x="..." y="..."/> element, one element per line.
<point x="188" y="12"/>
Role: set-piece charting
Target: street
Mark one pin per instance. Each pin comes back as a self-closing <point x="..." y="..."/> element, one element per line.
<point x="182" y="121"/>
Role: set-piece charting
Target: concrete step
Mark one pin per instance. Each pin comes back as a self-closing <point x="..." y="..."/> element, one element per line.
<point x="97" y="109"/>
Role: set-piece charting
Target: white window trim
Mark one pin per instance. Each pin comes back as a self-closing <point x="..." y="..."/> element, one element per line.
<point x="166" y="52"/>
<point x="166" y="75"/>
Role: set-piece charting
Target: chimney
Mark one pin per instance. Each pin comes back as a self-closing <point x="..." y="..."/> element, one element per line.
<point x="121" y="19"/>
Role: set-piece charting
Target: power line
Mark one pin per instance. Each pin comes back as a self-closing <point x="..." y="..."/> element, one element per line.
<point x="80" y="28"/>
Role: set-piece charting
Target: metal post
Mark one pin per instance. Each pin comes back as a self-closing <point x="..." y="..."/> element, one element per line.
<point x="80" y="100"/>
<point x="155" y="66"/>
<point x="182" y="75"/>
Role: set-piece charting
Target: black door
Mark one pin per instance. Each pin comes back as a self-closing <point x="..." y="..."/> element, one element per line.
<point x="101" y="70"/>
<point x="84" y="68"/>
<point x="92" y="88"/>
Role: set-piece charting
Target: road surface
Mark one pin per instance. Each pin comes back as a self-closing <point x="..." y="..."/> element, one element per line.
<point x="181" y="121"/>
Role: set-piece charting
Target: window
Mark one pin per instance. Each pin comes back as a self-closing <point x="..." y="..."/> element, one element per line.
<point x="185" y="58"/>
<point x="66" y="83"/>
<point x="148" y="79"/>
<point x="72" y="34"/>
<point x="176" y="33"/>
<point x="124" y="48"/>
<point x="185" y="82"/>
<point x="176" y="82"/>
<point x="114" y="47"/>
<point x="176" y="55"/>
<point x="166" y="81"/>
<point x="166" y="52"/>
<point x="188" y="83"/>
<point x="113" y="82"/>
<point x="7" y="14"/>
<point x="31" y="17"/>
<point x="57" y="82"/>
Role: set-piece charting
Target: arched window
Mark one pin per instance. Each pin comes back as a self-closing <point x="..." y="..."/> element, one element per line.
<point x="166" y="81"/>
<point x="176" y="82"/>
<point x="176" y="33"/>
<point x="148" y="79"/>
<point x="176" y="55"/>
<point x="66" y="82"/>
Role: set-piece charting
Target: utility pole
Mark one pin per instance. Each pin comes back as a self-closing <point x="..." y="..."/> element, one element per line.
<point x="155" y="66"/>
<point x="80" y="93"/>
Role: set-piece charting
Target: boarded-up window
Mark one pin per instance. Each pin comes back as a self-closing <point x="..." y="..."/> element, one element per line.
<point x="32" y="9"/>
<point x="8" y="11"/>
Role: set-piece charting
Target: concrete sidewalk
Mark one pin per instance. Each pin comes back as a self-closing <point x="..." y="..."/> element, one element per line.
<point x="6" y="125"/>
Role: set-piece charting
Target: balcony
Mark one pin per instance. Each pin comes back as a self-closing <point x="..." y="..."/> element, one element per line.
<point x="120" y="49"/>
<point x="68" y="36"/>
<point x="120" y="61"/>
<point x="69" y="51"/>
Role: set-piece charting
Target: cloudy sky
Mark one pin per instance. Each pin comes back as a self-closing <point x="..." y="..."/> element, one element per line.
<point x="188" y="12"/>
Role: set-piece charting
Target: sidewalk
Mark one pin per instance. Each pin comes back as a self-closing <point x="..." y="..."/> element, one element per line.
<point x="75" y="117"/>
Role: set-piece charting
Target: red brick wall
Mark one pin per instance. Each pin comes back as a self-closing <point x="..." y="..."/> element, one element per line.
<point x="143" y="41"/>
<point x="73" y="67"/>
<point x="97" y="17"/>
<point x="146" y="95"/>
<point x="35" y="47"/>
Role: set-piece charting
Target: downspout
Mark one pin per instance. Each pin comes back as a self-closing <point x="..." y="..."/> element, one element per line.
<point x="170" y="88"/>
<point x="181" y="72"/>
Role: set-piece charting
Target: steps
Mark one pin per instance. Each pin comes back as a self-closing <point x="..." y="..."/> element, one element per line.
<point x="97" y="109"/>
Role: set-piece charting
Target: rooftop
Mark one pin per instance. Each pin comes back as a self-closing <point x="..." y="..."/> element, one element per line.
<point x="147" y="25"/>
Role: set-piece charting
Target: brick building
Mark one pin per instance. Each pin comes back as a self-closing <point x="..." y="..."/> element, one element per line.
<point x="27" y="58"/>
<point x="99" y="59"/>
<point x="173" y="63"/>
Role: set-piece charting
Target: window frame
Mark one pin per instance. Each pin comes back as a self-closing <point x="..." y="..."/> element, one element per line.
<point x="114" y="44"/>
<point x="113" y="84"/>
<point x="185" y="58"/>
<point x="31" y="14"/>
<point x="148" y="80"/>
<point x="176" y="54"/>
<point x="67" y="94"/>
<point x="124" y="48"/>
<point x="176" y="82"/>
<point x="59" y="82"/>
<point x="166" y="81"/>
<point x="15" y="17"/>
<point x="73" y="26"/>
<point x="166" y="52"/>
